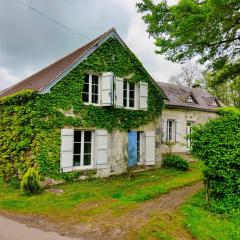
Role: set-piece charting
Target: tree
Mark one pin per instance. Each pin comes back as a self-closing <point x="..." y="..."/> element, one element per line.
<point x="190" y="74"/>
<point x="208" y="29"/>
<point x="227" y="92"/>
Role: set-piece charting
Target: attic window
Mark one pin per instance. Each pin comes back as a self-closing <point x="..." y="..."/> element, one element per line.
<point x="214" y="103"/>
<point x="190" y="99"/>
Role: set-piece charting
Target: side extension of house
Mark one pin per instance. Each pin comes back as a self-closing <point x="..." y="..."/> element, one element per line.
<point x="184" y="108"/>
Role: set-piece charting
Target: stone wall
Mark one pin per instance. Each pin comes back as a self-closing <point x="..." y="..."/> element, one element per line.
<point x="118" y="149"/>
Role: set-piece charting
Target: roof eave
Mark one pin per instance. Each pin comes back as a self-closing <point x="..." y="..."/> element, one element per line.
<point x="192" y="108"/>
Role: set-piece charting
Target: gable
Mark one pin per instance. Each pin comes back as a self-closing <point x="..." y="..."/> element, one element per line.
<point x="112" y="57"/>
<point x="45" y="79"/>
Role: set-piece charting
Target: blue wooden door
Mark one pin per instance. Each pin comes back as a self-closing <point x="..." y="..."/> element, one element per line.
<point x="132" y="148"/>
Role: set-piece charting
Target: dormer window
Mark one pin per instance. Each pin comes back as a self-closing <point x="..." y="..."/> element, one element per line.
<point x="190" y="99"/>
<point x="214" y="103"/>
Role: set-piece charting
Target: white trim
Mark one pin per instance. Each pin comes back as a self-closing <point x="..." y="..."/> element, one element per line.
<point x="90" y="89"/>
<point x="82" y="167"/>
<point x="128" y="99"/>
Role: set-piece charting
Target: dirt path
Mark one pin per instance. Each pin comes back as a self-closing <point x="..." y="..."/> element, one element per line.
<point x="112" y="227"/>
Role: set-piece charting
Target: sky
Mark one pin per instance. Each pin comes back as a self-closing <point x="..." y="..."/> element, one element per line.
<point x="30" y="42"/>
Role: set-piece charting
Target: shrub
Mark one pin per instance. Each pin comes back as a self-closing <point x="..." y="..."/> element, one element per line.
<point x="31" y="182"/>
<point x="174" y="161"/>
<point x="217" y="144"/>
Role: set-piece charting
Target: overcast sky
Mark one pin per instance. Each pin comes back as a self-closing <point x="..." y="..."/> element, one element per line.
<point x="29" y="41"/>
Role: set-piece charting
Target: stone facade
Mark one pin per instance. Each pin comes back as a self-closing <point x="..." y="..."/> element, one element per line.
<point x="118" y="150"/>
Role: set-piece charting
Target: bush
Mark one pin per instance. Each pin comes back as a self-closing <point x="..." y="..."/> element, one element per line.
<point x="217" y="144"/>
<point x="174" y="161"/>
<point x="31" y="182"/>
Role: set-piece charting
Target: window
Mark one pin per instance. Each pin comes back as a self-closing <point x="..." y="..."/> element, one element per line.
<point x="214" y="103"/>
<point x="189" y="131"/>
<point x="128" y="94"/>
<point x="170" y="130"/>
<point x="91" y="89"/>
<point x="190" y="99"/>
<point x="82" y="148"/>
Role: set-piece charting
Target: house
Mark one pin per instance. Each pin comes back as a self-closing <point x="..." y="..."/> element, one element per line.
<point x="185" y="107"/>
<point x="96" y="110"/>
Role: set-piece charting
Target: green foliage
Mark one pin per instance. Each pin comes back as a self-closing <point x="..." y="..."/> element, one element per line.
<point x="30" y="123"/>
<point x="208" y="29"/>
<point x="30" y="183"/>
<point x="225" y="84"/>
<point x="217" y="145"/>
<point x="174" y="161"/>
<point x="205" y="224"/>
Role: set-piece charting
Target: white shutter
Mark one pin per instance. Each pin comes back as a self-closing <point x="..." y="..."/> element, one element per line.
<point x="164" y="129"/>
<point x="118" y="92"/>
<point x="66" y="159"/>
<point x="143" y="96"/>
<point x="150" y="147"/>
<point x="101" y="148"/>
<point x="178" y="130"/>
<point x="107" y="91"/>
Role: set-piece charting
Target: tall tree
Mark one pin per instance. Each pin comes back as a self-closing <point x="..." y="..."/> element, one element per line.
<point x="189" y="75"/>
<point x="227" y="92"/>
<point x="208" y="29"/>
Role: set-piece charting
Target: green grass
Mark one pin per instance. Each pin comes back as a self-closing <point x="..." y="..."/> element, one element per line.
<point x="205" y="225"/>
<point x="86" y="199"/>
<point x="193" y="219"/>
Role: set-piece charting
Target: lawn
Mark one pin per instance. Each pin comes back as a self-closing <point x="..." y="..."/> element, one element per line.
<point x="88" y="199"/>
<point x="193" y="219"/>
<point x="205" y="225"/>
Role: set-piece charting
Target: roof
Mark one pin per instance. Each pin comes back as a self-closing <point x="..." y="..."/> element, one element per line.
<point x="43" y="78"/>
<point x="46" y="78"/>
<point x="177" y="97"/>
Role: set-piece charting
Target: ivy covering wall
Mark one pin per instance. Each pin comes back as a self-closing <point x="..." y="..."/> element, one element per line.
<point x="30" y="123"/>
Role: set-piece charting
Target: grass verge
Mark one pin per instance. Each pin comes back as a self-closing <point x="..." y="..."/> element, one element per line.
<point x="205" y="225"/>
<point x="192" y="221"/>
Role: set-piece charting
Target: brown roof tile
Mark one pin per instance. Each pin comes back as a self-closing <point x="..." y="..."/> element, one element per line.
<point x="41" y="79"/>
<point x="177" y="97"/>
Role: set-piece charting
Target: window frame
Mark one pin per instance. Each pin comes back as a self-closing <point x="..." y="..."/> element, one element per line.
<point x="90" y="92"/>
<point x="127" y="98"/>
<point x="190" y="99"/>
<point x="81" y="166"/>
<point x="173" y="130"/>
<point x="214" y="103"/>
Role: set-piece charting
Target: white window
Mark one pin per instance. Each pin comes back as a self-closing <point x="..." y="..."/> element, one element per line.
<point x="82" y="150"/>
<point x="170" y="130"/>
<point x="128" y="94"/>
<point x="190" y="99"/>
<point x="91" y="89"/>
